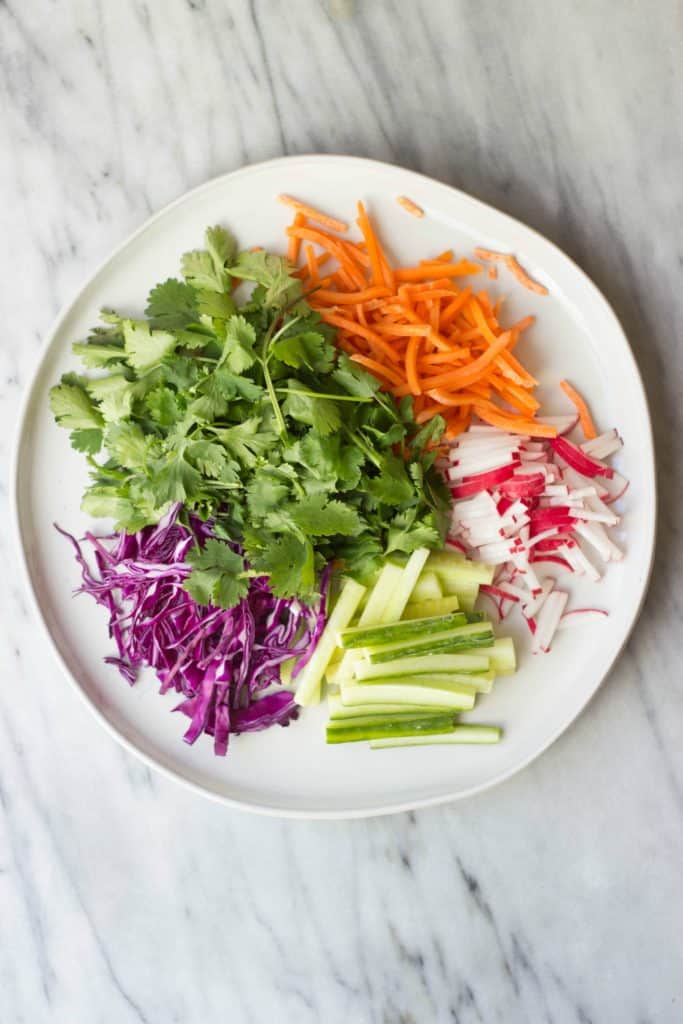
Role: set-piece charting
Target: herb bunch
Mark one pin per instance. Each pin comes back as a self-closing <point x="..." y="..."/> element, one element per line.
<point x="250" y="416"/>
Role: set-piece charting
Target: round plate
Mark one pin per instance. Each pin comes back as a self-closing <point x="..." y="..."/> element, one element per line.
<point x="291" y="771"/>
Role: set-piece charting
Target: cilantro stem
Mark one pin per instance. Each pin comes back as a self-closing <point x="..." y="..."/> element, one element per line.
<point x="319" y="394"/>
<point x="365" y="448"/>
<point x="267" y="339"/>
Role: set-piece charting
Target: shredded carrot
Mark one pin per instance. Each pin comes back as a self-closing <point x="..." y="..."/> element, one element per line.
<point x="309" y="211"/>
<point x="295" y="243"/>
<point x="410" y="206"/>
<point x="417" y="328"/>
<point x="524" y="278"/>
<point x="493" y="273"/>
<point x="256" y="248"/>
<point x="585" y="418"/>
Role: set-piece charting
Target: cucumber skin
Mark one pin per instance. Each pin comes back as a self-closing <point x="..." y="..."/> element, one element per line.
<point x="479" y="734"/>
<point x="433" y="725"/>
<point x="423" y="665"/>
<point x="432" y="646"/>
<point x="394" y="632"/>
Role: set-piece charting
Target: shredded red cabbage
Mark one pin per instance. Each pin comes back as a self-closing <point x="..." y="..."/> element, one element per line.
<point x="220" y="660"/>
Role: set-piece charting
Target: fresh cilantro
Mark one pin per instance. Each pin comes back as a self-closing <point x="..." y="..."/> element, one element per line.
<point x="217" y="575"/>
<point x="171" y="305"/>
<point x="252" y="418"/>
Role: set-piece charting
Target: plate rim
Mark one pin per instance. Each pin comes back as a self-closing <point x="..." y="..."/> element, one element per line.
<point x="267" y="809"/>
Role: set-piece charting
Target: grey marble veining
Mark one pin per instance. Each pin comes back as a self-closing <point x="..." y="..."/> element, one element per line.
<point x="558" y="897"/>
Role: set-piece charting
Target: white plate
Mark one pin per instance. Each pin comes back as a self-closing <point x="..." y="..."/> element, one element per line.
<point x="291" y="771"/>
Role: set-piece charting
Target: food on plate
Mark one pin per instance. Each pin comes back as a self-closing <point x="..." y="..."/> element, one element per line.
<point x="314" y="466"/>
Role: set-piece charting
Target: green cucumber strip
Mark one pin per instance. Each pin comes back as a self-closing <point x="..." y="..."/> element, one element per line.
<point x="467" y="596"/>
<point x="455" y="568"/>
<point x="396" y="632"/>
<point x="341" y="712"/>
<point x="426" y="609"/>
<point x="432" y="663"/>
<point x="363" y="729"/>
<point x="308" y="689"/>
<point x="459" y="734"/>
<point x="480" y="681"/>
<point x="478" y="634"/>
<point x="401" y="595"/>
<point x="502" y="655"/>
<point x="401" y="691"/>
<point x="387" y="582"/>
<point x="476" y="617"/>
<point x="427" y="588"/>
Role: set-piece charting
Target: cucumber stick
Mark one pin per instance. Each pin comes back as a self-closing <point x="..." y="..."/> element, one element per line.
<point x="480" y="681"/>
<point x="308" y="689"/>
<point x="402" y="593"/>
<point x="368" y="729"/>
<point x="373" y="612"/>
<point x="402" y="691"/>
<point x="455" y="569"/>
<point x="432" y="663"/>
<point x="426" y="609"/>
<point x="477" y="634"/>
<point x="427" y="588"/>
<point x="341" y="712"/>
<point x="395" y="632"/>
<point x="502" y="655"/>
<point x="459" y="734"/>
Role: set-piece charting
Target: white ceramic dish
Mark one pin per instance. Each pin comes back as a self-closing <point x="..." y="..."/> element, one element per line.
<point x="291" y="771"/>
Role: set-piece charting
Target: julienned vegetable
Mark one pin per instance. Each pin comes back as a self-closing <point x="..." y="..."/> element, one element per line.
<point x="224" y="663"/>
<point x="247" y="413"/>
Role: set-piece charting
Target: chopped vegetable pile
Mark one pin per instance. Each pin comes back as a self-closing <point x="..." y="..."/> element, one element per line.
<point x="225" y="663"/>
<point x="286" y="444"/>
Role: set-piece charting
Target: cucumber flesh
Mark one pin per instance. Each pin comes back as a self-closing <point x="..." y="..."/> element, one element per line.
<point x="308" y="689"/>
<point x="363" y="729"/>
<point x="342" y="712"/>
<point x="502" y="655"/>
<point x="426" y="609"/>
<point x="401" y="595"/>
<point x="375" y="611"/>
<point x="479" y="681"/>
<point x="427" y="588"/>
<point x="477" y="634"/>
<point x="401" y="691"/>
<point x="456" y="568"/>
<point x="397" y="632"/>
<point x="459" y="734"/>
<point x="432" y="663"/>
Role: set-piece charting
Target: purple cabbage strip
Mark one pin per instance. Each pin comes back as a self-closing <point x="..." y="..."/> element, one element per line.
<point x="219" y="659"/>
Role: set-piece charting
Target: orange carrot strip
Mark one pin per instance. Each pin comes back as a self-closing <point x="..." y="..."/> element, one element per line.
<point x="313" y="214"/>
<point x="513" y="369"/>
<point x="524" y="278"/>
<point x="444" y="257"/>
<point x="256" y="248"/>
<point x="411" y="365"/>
<point x="334" y="246"/>
<point x="410" y="206"/>
<point x="311" y="263"/>
<point x="295" y="243"/>
<point x="585" y="418"/>
<point x="493" y="273"/>
<point x="427" y="412"/>
<point x="460" y="378"/>
<point x="490" y="254"/>
<point x="495" y="417"/>
<point x="480" y="320"/>
<point x="460" y="269"/>
<point x="379" y="369"/>
<point x="319" y="260"/>
<point x="457" y="426"/>
<point x="455" y="306"/>
<point x="370" y="238"/>
<point x="364" y="332"/>
<point x="350" y="298"/>
<point x="445" y="398"/>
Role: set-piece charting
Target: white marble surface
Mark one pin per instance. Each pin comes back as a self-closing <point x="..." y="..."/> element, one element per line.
<point x="557" y="897"/>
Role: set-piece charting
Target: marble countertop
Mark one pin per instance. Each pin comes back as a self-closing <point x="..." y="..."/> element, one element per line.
<point x="557" y="897"/>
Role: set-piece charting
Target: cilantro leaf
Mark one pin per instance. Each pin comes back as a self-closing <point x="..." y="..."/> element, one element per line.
<point x="128" y="445"/>
<point x="407" y="533"/>
<point x="162" y="405"/>
<point x="114" y="395"/>
<point x="88" y="441"/>
<point x="392" y="486"/>
<point x="175" y="479"/>
<point x="217" y="305"/>
<point x="247" y="440"/>
<point x="238" y="346"/>
<point x="95" y="355"/>
<point x="171" y="305"/>
<point x="71" y="404"/>
<point x="309" y="349"/>
<point x="316" y="516"/>
<point x="221" y="245"/>
<point x="215" y="577"/>
<point x="274" y="273"/>
<point x="353" y="379"/>
<point x="320" y="413"/>
<point x="146" y="348"/>
<point x="431" y="433"/>
<point x="265" y="493"/>
<point x="290" y="565"/>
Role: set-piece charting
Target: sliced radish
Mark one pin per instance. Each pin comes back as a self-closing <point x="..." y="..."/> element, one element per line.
<point x="548" y="620"/>
<point x="581" y="617"/>
<point x="578" y="460"/>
